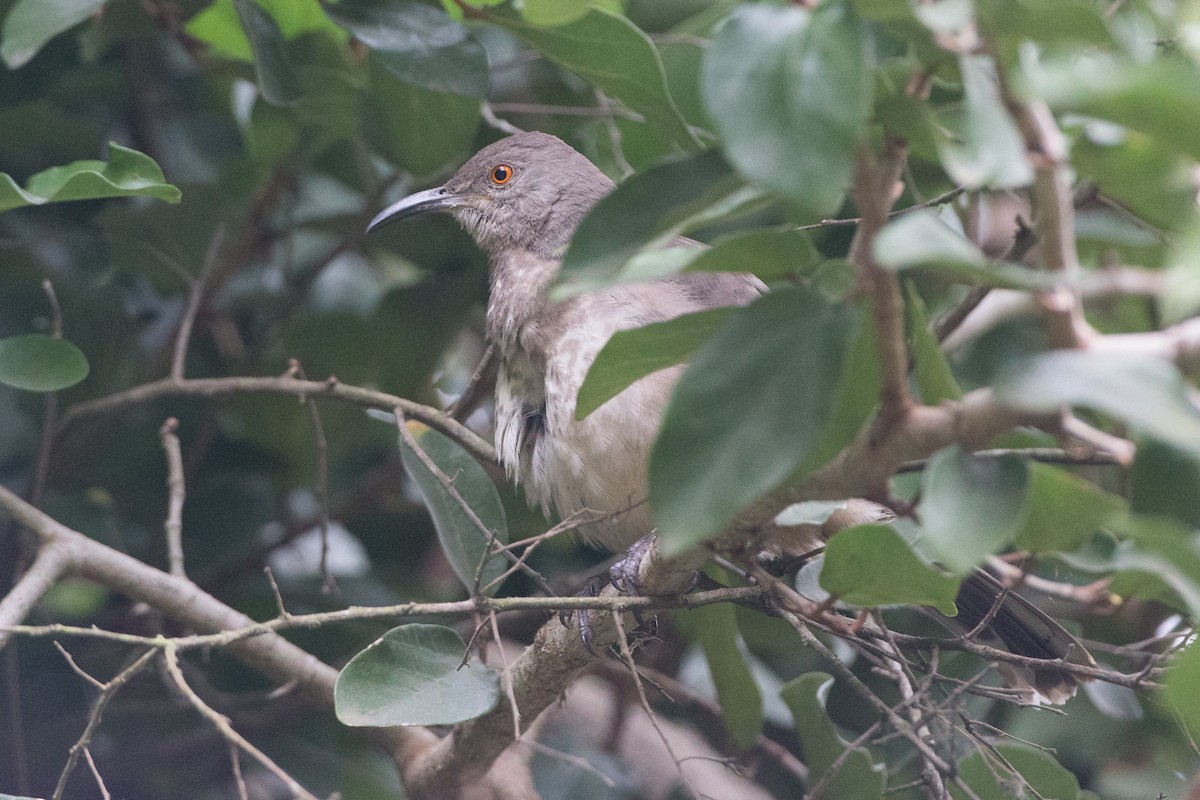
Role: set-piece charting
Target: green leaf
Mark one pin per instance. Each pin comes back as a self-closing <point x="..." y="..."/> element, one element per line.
<point x="858" y="777"/>
<point x="1063" y="21"/>
<point x="870" y="565"/>
<point x="651" y="208"/>
<point x="219" y="26"/>
<point x="934" y="376"/>
<point x="789" y="91"/>
<point x="462" y="541"/>
<point x="1166" y="551"/>
<point x="32" y="23"/>
<point x="276" y="80"/>
<point x="746" y="413"/>
<point x="715" y="628"/>
<point x="1038" y="776"/>
<point x="419" y="130"/>
<point x="635" y="353"/>
<point x="988" y="149"/>
<point x="611" y="53"/>
<point x="771" y="255"/>
<point x="971" y="507"/>
<point x="1181" y="687"/>
<point x="553" y="12"/>
<point x="126" y="174"/>
<point x="418" y="44"/>
<point x="1064" y="510"/>
<point x="920" y="240"/>
<point x="411" y="676"/>
<point x="809" y="512"/>
<point x="1160" y="98"/>
<point x="1146" y="392"/>
<point x="1165" y="480"/>
<point x="39" y="363"/>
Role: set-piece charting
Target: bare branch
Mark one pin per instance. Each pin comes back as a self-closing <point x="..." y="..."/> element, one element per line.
<point x="173" y="526"/>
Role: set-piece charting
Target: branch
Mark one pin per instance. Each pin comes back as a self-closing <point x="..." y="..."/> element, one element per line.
<point x="173" y="526"/>
<point x="283" y="385"/>
<point x="52" y="563"/>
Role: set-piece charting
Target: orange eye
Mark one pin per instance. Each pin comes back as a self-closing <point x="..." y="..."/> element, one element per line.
<point x="501" y="174"/>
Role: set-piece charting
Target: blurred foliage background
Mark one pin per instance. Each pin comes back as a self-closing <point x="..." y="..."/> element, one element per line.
<point x="287" y="124"/>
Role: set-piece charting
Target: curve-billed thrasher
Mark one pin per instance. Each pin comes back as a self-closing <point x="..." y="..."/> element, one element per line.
<point x="521" y="199"/>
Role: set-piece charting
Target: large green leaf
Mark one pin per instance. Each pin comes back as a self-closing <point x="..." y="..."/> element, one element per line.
<point x="633" y="354"/>
<point x="421" y="131"/>
<point x="417" y="43"/>
<point x="1037" y="775"/>
<point x="650" y="208"/>
<point x="871" y="565"/>
<point x="790" y="91"/>
<point x="464" y="544"/>
<point x="971" y="507"/>
<point x="41" y="363"/>
<point x="1161" y="98"/>
<point x="1146" y="392"/>
<point x="1182" y="687"/>
<point x="745" y="414"/>
<point x="1165" y="480"/>
<point x="1064" y="510"/>
<point x="715" y="628"/>
<point x="276" y="79"/>
<point x="32" y="23"/>
<point x="859" y="777"/>
<point x="553" y="12"/>
<point x="988" y="149"/>
<point x="127" y="173"/>
<point x="611" y="53"/>
<point x="771" y="255"/>
<point x="411" y="676"/>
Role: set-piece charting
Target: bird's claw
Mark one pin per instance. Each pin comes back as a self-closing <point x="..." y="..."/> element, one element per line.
<point x="623" y="575"/>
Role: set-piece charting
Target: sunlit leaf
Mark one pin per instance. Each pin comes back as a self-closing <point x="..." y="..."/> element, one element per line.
<point x="635" y="353"/>
<point x="1146" y="392"/>
<point x="219" y="26"/>
<point x="746" y="413"/>
<point x="32" y="23"/>
<point x="39" y="363"/>
<point x="465" y="545"/>
<point x="411" y="676"/>
<point x="127" y="173"/>
<point x="418" y="44"/>
<point x="871" y="565"/>
<point x="971" y="507"/>
<point x="858" y="777"/>
<point x="789" y="91"/>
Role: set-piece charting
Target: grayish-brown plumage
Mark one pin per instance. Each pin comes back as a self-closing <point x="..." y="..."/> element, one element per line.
<point x="521" y="199"/>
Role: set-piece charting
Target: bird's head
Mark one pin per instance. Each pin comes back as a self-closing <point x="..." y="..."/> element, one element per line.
<point x="526" y="192"/>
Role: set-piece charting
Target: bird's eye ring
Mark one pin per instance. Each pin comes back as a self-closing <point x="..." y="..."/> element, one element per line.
<point x="502" y="174"/>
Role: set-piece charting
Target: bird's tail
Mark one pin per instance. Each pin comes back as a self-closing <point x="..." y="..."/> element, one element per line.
<point x="1023" y="629"/>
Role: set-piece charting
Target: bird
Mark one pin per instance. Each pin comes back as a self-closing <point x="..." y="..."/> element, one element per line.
<point x="521" y="199"/>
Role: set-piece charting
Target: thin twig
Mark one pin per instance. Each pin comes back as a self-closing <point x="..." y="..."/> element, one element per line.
<point x="321" y="444"/>
<point x="173" y="526"/>
<point x="196" y="293"/>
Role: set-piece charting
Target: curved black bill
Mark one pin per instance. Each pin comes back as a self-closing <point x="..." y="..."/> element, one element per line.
<point x="420" y="203"/>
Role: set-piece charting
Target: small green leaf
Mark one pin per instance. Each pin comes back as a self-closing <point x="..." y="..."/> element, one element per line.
<point x="39" y="363"/>
<point x="411" y="676"/>
<point x="1064" y="510"/>
<point x="1146" y="392"/>
<point x="715" y="628"/>
<point x="746" y="413"/>
<point x="1165" y="480"/>
<point x="971" y="507"/>
<point x="276" y="80"/>
<point x="418" y="44"/>
<point x="651" y="208"/>
<point x="934" y="376"/>
<point x="870" y="565"/>
<point x="462" y="541"/>
<point x="220" y="28"/>
<point x="1030" y="775"/>
<point x="635" y="353"/>
<point x="790" y="92"/>
<point x="127" y="173"/>
<point x="32" y="23"/>
<point x="859" y="777"/>
<point x="611" y="53"/>
<point x="988" y="150"/>
<point x="1181" y="688"/>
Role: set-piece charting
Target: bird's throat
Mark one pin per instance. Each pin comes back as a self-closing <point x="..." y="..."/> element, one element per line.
<point x="519" y="282"/>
